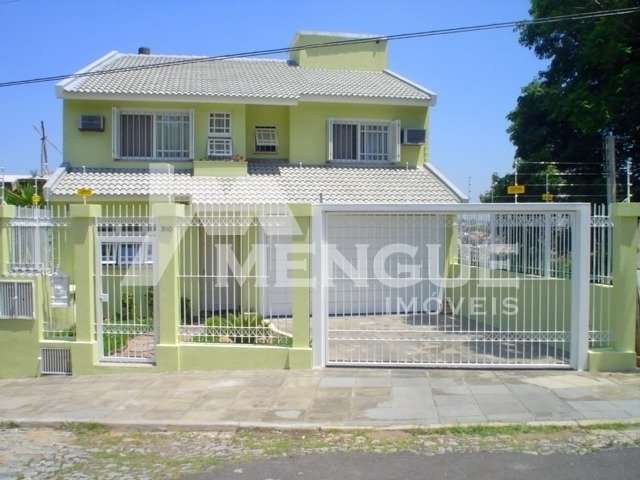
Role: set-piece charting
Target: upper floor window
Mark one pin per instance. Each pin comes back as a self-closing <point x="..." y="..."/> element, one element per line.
<point x="266" y="140"/>
<point x="139" y="135"/>
<point x="364" y="141"/>
<point x="219" y="142"/>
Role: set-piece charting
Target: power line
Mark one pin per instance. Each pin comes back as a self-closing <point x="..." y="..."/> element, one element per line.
<point x="399" y="36"/>
<point x="522" y="162"/>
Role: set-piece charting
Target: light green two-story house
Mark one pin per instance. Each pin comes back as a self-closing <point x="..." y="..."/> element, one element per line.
<point x="231" y="143"/>
<point x="331" y="121"/>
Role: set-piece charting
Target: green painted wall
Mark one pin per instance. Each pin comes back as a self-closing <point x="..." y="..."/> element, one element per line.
<point x="301" y="130"/>
<point x="543" y="304"/>
<point x="357" y="56"/>
<point x="268" y="116"/>
<point x="93" y="149"/>
<point x="308" y="125"/>
<point x="19" y="339"/>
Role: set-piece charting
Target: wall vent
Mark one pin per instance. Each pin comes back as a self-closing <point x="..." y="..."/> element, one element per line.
<point x="55" y="361"/>
<point x="16" y="299"/>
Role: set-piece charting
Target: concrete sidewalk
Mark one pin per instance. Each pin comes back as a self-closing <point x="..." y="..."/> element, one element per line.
<point x="321" y="398"/>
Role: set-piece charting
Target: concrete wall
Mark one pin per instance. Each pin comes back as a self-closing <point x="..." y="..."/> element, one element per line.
<point x="368" y="55"/>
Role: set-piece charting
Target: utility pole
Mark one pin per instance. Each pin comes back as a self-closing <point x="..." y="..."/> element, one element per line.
<point x="515" y="166"/>
<point x="44" y="161"/>
<point x="610" y="158"/>
<point x="1" y="186"/>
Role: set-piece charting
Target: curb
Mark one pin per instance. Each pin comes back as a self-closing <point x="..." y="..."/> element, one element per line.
<point x="232" y="425"/>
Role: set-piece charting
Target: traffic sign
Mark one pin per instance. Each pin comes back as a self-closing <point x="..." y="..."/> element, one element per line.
<point x="515" y="189"/>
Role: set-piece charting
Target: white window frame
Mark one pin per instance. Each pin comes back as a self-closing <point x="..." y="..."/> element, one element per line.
<point x="154" y="113"/>
<point x="118" y="255"/>
<point x="219" y="141"/>
<point x="394" y="154"/>
<point x="266" y="136"/>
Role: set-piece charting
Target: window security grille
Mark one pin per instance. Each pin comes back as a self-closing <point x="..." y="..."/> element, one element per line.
<point x="16" y="300"/>
<point x="152" y="135"/>
<point x="219" y="141"/>
<point x="266" y="140"/>
<point x="364" y="141"/>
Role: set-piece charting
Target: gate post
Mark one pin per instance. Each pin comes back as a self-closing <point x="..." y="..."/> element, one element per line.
<point x="166" y="271"/>
<point x="83" y="240"/>
<point x="300" y="275"/>
<point x="622" y="307"/>
<point x="7" y="212"/>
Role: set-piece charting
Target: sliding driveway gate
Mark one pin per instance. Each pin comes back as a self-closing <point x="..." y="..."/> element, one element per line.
<point x="452" y="285"/>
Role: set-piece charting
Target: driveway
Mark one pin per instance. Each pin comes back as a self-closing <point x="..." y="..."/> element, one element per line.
<point x="322" y="398"/>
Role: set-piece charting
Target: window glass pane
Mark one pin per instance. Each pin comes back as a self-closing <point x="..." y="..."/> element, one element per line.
<point x="266" y="139"/>
<point x="220" y="123"/>
<point x="374" y="144"/>
<point x="136" y="135"/>
<point x="345" y="141"/>
<point x="172" y="135"/>
<point x="220" y="147"/>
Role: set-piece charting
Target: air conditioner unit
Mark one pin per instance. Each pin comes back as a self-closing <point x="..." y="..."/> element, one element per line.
<point x="414" y="136"/>
<point x="91" y="123"/>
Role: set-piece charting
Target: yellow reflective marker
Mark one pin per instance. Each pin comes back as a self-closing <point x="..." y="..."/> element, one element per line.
<point x="547" y="197"/>
<point x="515" y="189"/>
<point x="35" y="199"/>
<point x="84" y="193"/>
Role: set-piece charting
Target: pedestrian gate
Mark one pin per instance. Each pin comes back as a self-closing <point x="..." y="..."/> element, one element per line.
<point x="126" y="304"/>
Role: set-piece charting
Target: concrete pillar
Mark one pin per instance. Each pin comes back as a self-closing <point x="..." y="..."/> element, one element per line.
<point x="622" y="306"/>
<point x="83" y="240"/>
<point x="167" y="316"/>
<point x="623" y="299"/>
<point x="83" y="247"/>
<point x="7" y="212"/>
<point x="300" y="274"/>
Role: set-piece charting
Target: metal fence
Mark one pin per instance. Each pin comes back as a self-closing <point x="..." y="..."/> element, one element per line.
<point x="39" y="246"/>
<point x="601" y="277"/>
<point x="392" y="296"/>
<point x="233" y="285"/>
<point x="38" y="238"/>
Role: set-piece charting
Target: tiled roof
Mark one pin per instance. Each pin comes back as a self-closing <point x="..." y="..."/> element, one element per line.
<point x="269" y="182"/>
<point x="238" y="78"/>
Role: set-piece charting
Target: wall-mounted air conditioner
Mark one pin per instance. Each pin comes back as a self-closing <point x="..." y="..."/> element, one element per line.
<point x="91" y="123"/>
<point x="414" y="136"/>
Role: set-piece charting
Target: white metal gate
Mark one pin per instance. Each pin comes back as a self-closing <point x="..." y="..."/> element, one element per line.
<point x="125" y="286"/>
<point x="452" y="285"/>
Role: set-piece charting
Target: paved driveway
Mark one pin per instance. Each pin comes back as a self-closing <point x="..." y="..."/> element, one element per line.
<point x="328" y="397"/>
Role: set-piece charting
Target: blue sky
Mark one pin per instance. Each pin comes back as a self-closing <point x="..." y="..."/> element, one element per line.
<point x="477" y="76"/>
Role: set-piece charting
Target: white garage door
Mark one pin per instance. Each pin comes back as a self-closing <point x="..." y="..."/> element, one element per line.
<point x="276" y="299"/>
<point x="377" y="266"/>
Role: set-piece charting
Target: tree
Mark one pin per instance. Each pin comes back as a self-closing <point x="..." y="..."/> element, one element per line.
<point x="21" y="196"/>
<point x="591" y="87"/>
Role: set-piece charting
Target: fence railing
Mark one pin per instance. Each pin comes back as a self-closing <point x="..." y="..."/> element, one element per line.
<point x="536" y="244"/>
<point x="228" y="282"/>
<point x="38" y="236"/>
<point x="229" y="265"/>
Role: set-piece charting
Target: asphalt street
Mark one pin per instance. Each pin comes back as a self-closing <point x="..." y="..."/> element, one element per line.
<point x="621" y="464"/>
